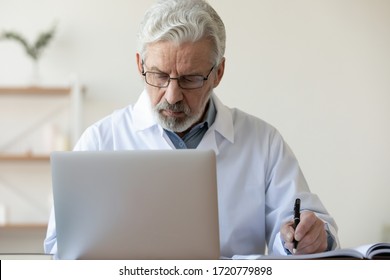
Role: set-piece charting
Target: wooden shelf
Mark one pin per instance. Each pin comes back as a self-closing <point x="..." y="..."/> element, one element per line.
<point x="57" y="105"/>
<point x="24" y="157"/>
<point x="22" y="226"/>
<point x="36" y="90"/>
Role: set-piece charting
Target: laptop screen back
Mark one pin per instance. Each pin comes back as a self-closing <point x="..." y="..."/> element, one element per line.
<point x="151" y="204"/>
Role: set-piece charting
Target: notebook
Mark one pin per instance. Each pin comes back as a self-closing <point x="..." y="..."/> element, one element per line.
<point x="143" y="204"/>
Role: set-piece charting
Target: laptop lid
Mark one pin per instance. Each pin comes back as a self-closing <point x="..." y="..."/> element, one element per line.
<point x="143" y="204"/>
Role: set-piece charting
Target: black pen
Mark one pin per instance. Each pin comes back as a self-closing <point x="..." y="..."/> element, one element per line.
<point x="297" y="219"/>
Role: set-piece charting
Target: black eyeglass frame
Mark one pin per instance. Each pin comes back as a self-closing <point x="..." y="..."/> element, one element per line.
<point x="178" y="79"/>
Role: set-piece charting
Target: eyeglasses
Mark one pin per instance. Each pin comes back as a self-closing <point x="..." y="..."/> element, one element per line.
<point x="162" y="80"/>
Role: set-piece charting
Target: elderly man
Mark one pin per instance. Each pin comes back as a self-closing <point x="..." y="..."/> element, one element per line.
<point x="181" y="58"/>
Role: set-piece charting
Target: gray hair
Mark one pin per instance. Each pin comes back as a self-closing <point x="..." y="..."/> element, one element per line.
<point x="182" y="21"/>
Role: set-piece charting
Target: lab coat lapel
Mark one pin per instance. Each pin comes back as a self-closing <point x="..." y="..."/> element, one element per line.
<point x="147" y="127"/>
<point x="222" y="127"/>
<point x="143" y="115"/>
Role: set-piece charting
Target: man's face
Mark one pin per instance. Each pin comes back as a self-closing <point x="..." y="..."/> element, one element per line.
<point x="179" y="109"/>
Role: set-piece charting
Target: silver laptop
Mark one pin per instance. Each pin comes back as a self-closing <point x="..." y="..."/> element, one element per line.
<point x="150" y="204"/>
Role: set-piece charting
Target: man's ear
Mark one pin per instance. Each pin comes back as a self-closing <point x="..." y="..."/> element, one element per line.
<point x="220" y="72"/>
<point x="139" y="62"/>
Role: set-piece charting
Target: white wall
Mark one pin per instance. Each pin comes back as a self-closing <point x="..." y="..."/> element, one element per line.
<point x="317" y="70"/>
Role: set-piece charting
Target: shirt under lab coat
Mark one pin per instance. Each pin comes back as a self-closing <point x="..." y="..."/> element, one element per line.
<point x="258" y="175"/>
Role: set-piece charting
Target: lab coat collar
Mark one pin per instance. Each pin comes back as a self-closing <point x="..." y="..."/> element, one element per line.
<point x="143" y="114"/>
<point x="223" y="125"/>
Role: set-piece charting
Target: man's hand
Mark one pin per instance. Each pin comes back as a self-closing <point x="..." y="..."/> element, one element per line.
<point x="310" y="234"/>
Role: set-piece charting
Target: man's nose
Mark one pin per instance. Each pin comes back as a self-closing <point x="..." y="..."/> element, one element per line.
<point x="173" y="92"/>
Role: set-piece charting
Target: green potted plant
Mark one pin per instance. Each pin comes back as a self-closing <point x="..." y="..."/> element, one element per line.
<point x="33" y="50"/>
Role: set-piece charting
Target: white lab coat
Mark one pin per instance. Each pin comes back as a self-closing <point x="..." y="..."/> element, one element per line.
<point x="258" y="175"/>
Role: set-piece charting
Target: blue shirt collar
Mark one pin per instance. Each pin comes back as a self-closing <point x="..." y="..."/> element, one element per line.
<point x="192" y="138"/>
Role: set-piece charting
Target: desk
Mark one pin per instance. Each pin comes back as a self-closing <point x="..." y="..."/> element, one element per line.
<point x="22" y="239"/>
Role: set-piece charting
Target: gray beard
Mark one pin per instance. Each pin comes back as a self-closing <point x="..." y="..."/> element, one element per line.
<point x="177" y="124"/>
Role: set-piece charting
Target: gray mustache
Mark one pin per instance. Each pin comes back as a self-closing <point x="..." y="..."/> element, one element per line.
<point x="177" y="107"/>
